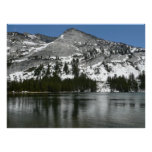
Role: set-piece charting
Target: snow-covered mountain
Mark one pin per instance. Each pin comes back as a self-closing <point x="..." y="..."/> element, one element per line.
<point x="98" y="58"/>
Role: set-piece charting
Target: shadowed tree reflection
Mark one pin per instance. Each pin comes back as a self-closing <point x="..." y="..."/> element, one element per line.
<point x="46" y="104"/>
<point x="49" y="108"/>
<point x="79" y="103"/>
<point x="75" y="108"/>
<point x="132" y="105"/>
<point x="75" y="111"/>
<point x="55" y="101"/>
<point x="36" y="108"/>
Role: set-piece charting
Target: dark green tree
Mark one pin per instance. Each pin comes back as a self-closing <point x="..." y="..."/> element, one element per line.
<point x="48" y="70"/>
<point x="75" y="69"/>
<point x="57" y="69"/>
<point x="123" y="84"/>
<point x="65" y="68"/>
<point x="141" y="78"/>
<point x="38" y="70"/>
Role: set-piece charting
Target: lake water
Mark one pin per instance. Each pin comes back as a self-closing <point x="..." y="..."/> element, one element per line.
<point x="77" y="110"/>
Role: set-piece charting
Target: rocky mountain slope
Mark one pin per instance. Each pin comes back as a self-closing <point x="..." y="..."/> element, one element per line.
<point x="98" y="58"/>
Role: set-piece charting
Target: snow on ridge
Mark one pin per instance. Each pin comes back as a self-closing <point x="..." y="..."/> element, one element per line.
<point x="31" y="36"/>
<point x="41" y="47"/>
<point x="133" y="50"/>
<point x="20" y="60"/>
<point x="62" y="36"/>
<point x="97" y="64"/>
<point x="29" y="43"/>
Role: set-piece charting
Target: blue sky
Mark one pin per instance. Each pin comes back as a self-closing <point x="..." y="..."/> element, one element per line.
<point x="133" y="34"/>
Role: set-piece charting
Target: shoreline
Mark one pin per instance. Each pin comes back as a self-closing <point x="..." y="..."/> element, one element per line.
<point x="46" y="92"/>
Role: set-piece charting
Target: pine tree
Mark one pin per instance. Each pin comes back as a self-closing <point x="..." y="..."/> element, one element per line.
<point x="57" y="69"/>
<point x="141" y="78"/>
<point x="65" y="68"/>
<point x="48" y="70"/>
<point x="75" y="69"/>
<point x="37" y="71"/>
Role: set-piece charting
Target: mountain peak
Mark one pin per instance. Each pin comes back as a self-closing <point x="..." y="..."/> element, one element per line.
<point x="72" y="30"/>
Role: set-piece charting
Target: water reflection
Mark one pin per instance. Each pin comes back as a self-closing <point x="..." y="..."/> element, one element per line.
<point x="77" y="110"/>
<point x="142" y="105"/>
<point x="132" y="105"/>
<point x="120" y="104"/>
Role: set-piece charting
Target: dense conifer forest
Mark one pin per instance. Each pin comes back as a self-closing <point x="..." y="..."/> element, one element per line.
<point x="130" y="84"/>
<point x="54" y="84"/>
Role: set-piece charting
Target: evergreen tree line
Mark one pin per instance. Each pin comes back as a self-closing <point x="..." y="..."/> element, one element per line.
<point x="141" y="77"/>
<point x="130" y="84"/>
<point x="54" y="83"/>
